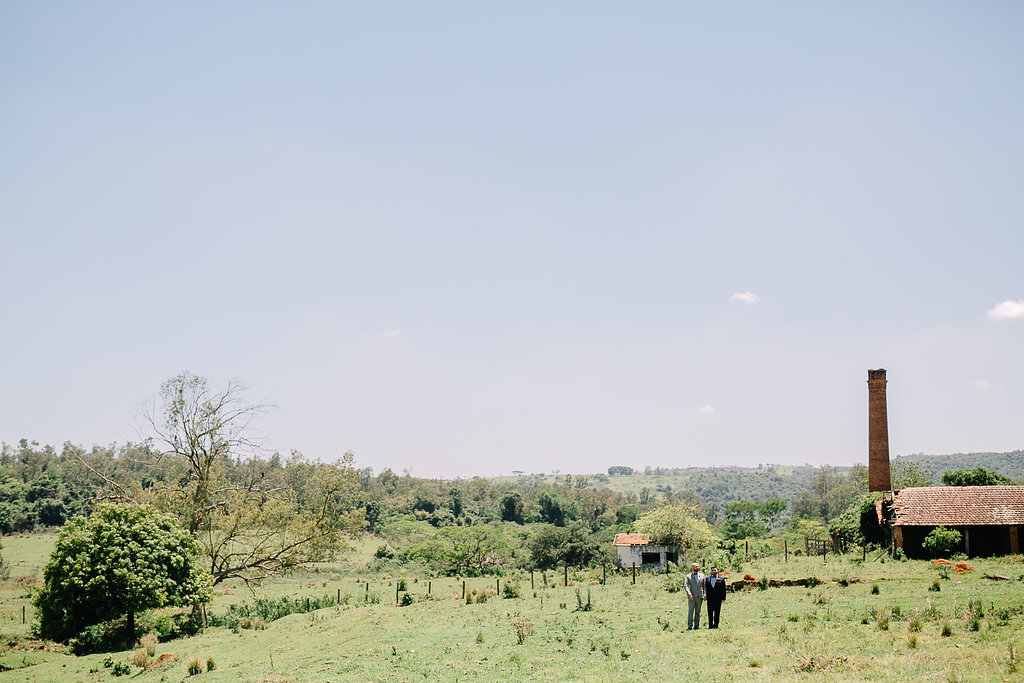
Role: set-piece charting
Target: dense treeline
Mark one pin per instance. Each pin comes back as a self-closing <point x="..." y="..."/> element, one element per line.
<point x="1008" y="464"/>
<point x="461" y="525"/>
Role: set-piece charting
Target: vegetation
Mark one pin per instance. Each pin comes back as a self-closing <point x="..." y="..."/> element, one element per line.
<point x="977" y="476"/>
<point x="630" y="632"/>
<point x="941" y="541"/>
<point x="280" y="526"/>
<point x="121" y="560"/>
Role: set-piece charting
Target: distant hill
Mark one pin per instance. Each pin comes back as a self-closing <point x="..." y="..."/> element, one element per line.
<point x="718" y="486"/>
<point x="1009" y="464"/>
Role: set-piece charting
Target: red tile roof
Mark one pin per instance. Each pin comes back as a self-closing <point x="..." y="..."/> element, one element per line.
<point x="632" y="539"/>
<point x="959" y="506"/>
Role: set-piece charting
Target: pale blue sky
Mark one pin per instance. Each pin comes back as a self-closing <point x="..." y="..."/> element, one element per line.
<point x="469" y="238"/>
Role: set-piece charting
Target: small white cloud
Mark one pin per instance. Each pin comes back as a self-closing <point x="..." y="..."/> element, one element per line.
<point x="391" y="333"/>
<point x="706" y="410"/>
<point x="1007" y="310"/>
<point x="983" y="385"/>
<point x="748" y="298"/>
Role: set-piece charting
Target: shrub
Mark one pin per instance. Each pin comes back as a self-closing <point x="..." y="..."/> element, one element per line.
<point x="406" y="600"/>
<point x="914" y="625"/>
<point x="194" y="665"/>
<point x="946" y="630"/>
<point x="140" y="658"/>
<point x="149" y="642"/>
<point x="210" y="665"/>
<point x="522" y="628"/>
<point x="120" y="669"/>
<point x="874" y="589"/>
<point x="941" y="541"/>
<point x="936" y="586"/>
<point x="510" y="590"/>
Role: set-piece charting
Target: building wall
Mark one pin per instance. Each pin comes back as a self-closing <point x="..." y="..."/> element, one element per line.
<point x="975" y="541"/>
<point x="627" y="556"/>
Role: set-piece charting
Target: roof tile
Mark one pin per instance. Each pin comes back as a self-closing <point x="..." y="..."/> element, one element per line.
<point x="959" y="506"/>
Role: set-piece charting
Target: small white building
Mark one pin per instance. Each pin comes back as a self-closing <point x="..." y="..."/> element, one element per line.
<point x="637" y="549"/>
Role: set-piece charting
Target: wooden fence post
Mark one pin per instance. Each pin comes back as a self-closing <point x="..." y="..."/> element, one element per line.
<point x="497" y="586"/>
<point x="338" y="601"/>
<point x="396" y="592"/>
<point x="785" y="545"/>
<point x="604" y="573"/>
<point x="463" y="590"/>
<point x="544" y="575"/>
<point x="531" y="579"/>
<point x="566" y="574"/>
<point x="634" y="573"/>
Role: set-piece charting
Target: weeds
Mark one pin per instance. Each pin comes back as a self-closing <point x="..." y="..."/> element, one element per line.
<point x="914" y="624"/>
<point x="149" y="641"/>
<point x="522" y="628"/>
<point x="583" y="606"/>
<point x="140" y="658"/>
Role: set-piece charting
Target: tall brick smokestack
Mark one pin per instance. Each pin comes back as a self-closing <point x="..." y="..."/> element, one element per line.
<point x="878" y="434"/>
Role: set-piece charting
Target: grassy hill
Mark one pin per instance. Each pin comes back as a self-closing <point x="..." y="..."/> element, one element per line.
<point x="587" y="630"/>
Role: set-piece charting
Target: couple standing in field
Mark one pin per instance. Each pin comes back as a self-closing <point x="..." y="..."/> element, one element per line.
<point x="700" y="588"/>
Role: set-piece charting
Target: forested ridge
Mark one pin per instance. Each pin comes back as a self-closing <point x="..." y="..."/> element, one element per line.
<point x="41" y="486"/>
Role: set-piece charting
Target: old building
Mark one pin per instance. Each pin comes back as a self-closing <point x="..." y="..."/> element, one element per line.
<point x="990" y="519"/>
<point x="637" y="550"/>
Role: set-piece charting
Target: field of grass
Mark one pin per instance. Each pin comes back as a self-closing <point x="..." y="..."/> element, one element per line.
<point x="870" y="620"/>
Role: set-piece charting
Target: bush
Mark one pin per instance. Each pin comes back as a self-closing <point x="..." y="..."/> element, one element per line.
<point x="510" y="590"/>
<point x="194" y="665"/>
<point x="140" y="658"/>
<point x="941" y="541"/>
<point x="149" y="642"/>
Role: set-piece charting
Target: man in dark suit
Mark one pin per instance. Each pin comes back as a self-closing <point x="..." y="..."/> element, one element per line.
<point x="714" y="593"/>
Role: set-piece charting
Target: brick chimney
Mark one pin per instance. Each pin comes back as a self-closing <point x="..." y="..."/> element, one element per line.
<point x="878" y="434"/>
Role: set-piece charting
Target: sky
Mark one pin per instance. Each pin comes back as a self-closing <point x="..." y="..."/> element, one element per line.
<point x="464" y="238"/>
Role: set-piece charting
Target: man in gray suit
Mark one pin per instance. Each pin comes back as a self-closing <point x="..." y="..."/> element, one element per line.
<point x="695" y="597"/>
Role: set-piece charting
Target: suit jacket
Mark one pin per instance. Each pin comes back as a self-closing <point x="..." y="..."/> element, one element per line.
<point x="695" y="586"/>
<point x="715" y="593"/>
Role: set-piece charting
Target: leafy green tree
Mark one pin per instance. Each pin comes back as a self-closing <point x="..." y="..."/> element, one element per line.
<point x="511" y="505"/>
<point x="742" y="520"/>
<point x="675" y="526"/>
<point x="906" y="474"/>
<point x="552" y="507"/>
<point x="551" y="547"/>
<point x="977" y="476"/>
<point x="121" y="560"/>
<point x="471" y="550"/>
<point x="771" y="509"/>
<point x="621" y="470"/>
<point x="627" y="514"/>
<point x="941" y="541"/>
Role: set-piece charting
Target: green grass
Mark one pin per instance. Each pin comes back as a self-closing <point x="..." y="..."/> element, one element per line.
<point x="632" y="632"/>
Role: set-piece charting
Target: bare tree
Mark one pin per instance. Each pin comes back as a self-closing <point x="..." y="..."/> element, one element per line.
<point x="249" y="519"/>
